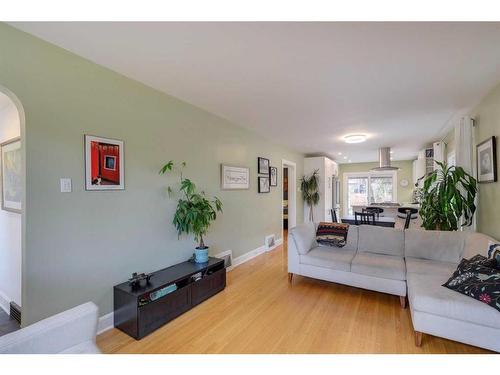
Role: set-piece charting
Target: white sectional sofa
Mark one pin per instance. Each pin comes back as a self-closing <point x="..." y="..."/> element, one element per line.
<point x="70" y="332"/>
<point x="412" y="262"/>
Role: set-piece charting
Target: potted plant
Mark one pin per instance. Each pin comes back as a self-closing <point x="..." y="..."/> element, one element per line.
<point x="309" y="185"/>
<point x="194" y="212"/>
<point x="448" y="195"/>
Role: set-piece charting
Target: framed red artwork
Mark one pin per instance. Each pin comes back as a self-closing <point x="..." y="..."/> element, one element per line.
<point x="104" y="164"/>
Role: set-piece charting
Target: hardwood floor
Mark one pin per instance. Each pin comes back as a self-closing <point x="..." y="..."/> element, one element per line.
<point x="260" y="312"/>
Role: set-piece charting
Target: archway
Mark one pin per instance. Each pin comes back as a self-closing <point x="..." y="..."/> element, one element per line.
<point x="12" y="210"/>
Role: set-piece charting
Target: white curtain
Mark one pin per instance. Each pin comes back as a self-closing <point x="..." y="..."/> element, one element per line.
<point x="465" y="151"/>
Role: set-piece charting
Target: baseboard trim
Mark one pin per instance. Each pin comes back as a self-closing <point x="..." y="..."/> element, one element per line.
<point x="5" y="303"/>
<point x="253" y="253"/>
<point x="105" y="323"/>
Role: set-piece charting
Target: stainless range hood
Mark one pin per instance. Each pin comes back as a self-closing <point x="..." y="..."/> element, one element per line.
<point x="384" y="160"/>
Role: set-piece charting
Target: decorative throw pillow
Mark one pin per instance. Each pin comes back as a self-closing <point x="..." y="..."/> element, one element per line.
<point x="474" y="279"/>
<point x="332" y="234"/>
<point x="483" y="261"/>
<point x="494" y="253"/>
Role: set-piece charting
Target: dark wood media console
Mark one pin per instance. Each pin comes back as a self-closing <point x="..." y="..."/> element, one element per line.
<point x="141" y="310"/>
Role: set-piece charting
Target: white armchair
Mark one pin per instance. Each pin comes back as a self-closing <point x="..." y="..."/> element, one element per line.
<point x="70" y="332"/>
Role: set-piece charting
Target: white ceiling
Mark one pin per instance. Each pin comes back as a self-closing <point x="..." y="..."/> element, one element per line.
<point x="306" y="84"/>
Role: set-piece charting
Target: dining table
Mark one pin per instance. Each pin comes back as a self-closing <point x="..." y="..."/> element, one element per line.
<point x="381" y="221"/>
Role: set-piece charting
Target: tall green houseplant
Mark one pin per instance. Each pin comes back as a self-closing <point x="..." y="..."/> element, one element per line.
<point x="309" y="185"/>
<point x="448" y="196"/>
<point x="194" y="213"/>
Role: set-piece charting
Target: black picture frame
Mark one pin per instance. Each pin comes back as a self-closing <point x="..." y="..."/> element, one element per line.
<point x="263" y="166"/>
<point x="273" y="177"/>
<point x="263" y="184"/>
<point x="486" y="158"/>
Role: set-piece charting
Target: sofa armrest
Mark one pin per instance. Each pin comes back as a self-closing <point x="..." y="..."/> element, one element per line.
<point x="54" y="334"/>
<point x="303" y="237"/>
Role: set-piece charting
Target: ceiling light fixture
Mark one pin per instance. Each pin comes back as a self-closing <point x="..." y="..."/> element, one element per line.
<point x="345" y="157"/>
<point x="340" y="153"/>
<point x="354" y="138"/>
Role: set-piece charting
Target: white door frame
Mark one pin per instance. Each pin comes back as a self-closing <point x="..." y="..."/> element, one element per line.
<point x="292" y="193"/>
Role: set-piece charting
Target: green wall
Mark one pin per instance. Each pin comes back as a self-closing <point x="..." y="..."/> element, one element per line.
<point x="405" y="172"/>
<point x="78" y="245"/>
<point x="487" y="116"/>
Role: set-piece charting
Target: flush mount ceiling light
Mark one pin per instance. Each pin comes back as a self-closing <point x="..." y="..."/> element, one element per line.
<point x="354" y="138"/>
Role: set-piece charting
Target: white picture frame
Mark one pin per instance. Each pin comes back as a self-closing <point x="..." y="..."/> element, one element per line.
<point x="11" y="165"/>
<point x="98" y="175"/>
<point x="234" y="177"/>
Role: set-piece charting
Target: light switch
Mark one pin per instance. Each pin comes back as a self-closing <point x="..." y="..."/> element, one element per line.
<point x="65" y="185"/>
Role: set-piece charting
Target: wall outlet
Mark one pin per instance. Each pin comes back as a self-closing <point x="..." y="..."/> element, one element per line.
<point x="65" y="185"/>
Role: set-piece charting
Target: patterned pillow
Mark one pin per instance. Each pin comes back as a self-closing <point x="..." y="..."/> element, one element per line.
<point x="494" y="252"/>
<point x="476" y="280"/>
<point x="332" y="234"/>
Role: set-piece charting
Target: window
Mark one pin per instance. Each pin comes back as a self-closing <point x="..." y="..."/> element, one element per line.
<point x="362" y="189"/>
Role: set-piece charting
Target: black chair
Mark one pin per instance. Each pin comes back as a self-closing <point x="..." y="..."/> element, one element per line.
<point x="402" y="212"/>
<point x="376" y="210"/>
<point x="408" y="219"/>
<point x="364" y="218"/>
<point x="334" y="216"/>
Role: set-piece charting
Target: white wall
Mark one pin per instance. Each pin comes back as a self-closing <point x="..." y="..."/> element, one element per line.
<point x="326" y="169"/>
<point x="10" y="223"/>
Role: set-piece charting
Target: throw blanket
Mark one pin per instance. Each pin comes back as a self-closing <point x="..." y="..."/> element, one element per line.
<point x="332" y="234"/>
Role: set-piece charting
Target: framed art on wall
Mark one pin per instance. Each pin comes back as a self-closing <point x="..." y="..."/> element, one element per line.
<point x="487" y="161"/>
<point x="264" y="185"/>
<point x="104" y="164"/>
<point x="263" y="165"/>
<point x="11" y="176"/>
<point x="273" y="175"/>
<point x="234" y="178"/>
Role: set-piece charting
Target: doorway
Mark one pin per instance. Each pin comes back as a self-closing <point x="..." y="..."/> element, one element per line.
<point x="289" y="199"/>
<point x="12" y="197"/>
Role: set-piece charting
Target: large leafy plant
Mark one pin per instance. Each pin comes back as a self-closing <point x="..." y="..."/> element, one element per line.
<point x="448" y="196"/>
<point x="309" y="185"/>
<point x="194" y="212"/>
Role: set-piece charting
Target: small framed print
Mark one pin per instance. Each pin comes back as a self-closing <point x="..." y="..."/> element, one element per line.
<point x="487" y="160"/>
<point x="273" y="175"/>
<point x="264" y="185"/>
<point x="104" y="164"/>
<point x="234" y="178"/>
<point x="12" y="187"/>
<point x="263" y="166"/>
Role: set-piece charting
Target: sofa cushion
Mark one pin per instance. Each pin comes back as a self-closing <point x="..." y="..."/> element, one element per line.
<point x="304" y="236"/>
<point x="380" y="240"/>
<point x="431" y="267"/>
<point x="352" y="239"/>
<point x="426" y="294"/>
<point x="379" y="265"/>
<point x="329" y="257"/>
<point x="434" y="245"/>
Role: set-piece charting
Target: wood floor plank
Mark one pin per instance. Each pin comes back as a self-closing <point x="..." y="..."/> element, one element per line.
<point x="260" y="312"/>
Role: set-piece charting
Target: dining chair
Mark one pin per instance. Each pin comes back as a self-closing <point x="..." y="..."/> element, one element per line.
<point x="408" y="219"/>
<point x="376" y="210"/>
<point x="364" y="218"/>
<point x="334" y="216"/>
<point x="402" y="212"/>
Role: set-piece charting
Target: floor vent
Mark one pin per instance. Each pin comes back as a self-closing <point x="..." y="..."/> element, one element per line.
<point x="270" y="242"/>
<point x="15" y="312"/>
<point x="227" y="256"/>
